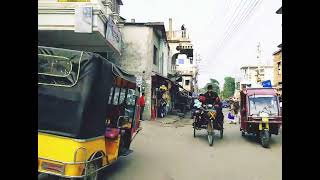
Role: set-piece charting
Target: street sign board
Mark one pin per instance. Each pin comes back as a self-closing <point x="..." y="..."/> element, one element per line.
<point x="267" y="83"/>
<point x="139" y="80"/>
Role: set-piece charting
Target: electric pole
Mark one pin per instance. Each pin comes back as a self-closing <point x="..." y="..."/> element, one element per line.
<point x="260" y="66"/>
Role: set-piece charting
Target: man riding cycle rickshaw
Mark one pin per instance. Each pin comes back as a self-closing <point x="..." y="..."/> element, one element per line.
<point x="208" y="114"/>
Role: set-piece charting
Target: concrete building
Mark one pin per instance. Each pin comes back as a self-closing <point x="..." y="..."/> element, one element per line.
<point x="146" y="53"/>
<point x="179" y="43"/>
<point x="88" y="25"/>
<point x="182" y="62"/>
<point x="277" y="64"/>
<point x="249" y="74"/>
<point x="277" y="70"/>
<point x="188" y="72"/>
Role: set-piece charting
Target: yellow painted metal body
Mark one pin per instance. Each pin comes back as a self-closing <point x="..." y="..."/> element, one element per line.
<point x="264" y="120"/>
<point x="63" y="150"/>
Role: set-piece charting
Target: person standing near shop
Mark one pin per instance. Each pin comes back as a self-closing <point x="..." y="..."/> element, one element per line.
<point x="141" y="104"/>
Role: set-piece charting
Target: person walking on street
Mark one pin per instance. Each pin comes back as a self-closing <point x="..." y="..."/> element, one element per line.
<point x="236" y="108"/>
<point x="233" y="111"/>
<point x="142" y="104"/>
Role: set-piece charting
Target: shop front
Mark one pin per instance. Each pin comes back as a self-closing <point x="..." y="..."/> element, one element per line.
<point x="162" y="95"/>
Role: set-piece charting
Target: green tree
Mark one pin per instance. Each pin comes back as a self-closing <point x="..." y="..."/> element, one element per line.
<point x="228" y="87"/>
<point x="215" y="86"/>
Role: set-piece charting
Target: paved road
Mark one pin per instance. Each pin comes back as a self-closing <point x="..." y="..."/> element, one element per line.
<point x="170" y="152"/>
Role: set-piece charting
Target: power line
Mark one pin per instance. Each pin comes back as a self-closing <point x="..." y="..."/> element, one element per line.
<point x="238" y="25"/>
<point x="224" y="18"/>
<point x="231" y="19"/>
<point x="228" y="19"/>
<point x="213" y="21"/>
<point x="228" y="25"/>
<point x="242" y="20"/>
<point x="235" y="16"/>
<point x="223" y="41"/>
<point x="232" y="24"/>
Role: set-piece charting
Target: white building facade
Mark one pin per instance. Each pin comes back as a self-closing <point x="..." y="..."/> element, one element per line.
<point x="249" y="74"/>
<point x="188" y="71"/>
<point x="87" y="25"/>
<point x="145" y="53"/>
<point x="182" y="63"/>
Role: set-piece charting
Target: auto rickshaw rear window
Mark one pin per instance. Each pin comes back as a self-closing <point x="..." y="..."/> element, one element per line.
<point x="56" y="70"/>
<point x="54" y="65"/>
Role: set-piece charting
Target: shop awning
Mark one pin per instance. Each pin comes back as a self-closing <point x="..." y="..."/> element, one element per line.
<point x="160" y="76"/>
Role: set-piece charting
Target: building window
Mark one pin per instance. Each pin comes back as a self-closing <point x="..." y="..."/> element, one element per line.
<point x="187" y="82"/>
<point x="155" y="55"/>
<point x="181" y="61"/>
<point x="279" y="68"/>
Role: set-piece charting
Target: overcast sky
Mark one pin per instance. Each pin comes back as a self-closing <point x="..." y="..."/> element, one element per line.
<point x="236" y="26"/>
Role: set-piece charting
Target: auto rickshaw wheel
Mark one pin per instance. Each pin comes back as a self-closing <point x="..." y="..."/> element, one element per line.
<point x="265" y="138"/>
<point x="243" y="133"/>
<point x="93" y="167"/>
<point x="221" y="133"/>
<point x="210" y="134"/>
<point x="194" y="131"/>
<point x="210" y="138"/>
<point x="194" y="127"/>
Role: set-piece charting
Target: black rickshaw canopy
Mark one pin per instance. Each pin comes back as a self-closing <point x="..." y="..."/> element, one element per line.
<point x="73" y="91"/>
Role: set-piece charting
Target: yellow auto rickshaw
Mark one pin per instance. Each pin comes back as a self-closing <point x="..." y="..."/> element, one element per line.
<point x="87" y="113"/>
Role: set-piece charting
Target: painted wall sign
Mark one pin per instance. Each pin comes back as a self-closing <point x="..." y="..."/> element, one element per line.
<point x="83" y="19"/>
<point x="113" y="34"/>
